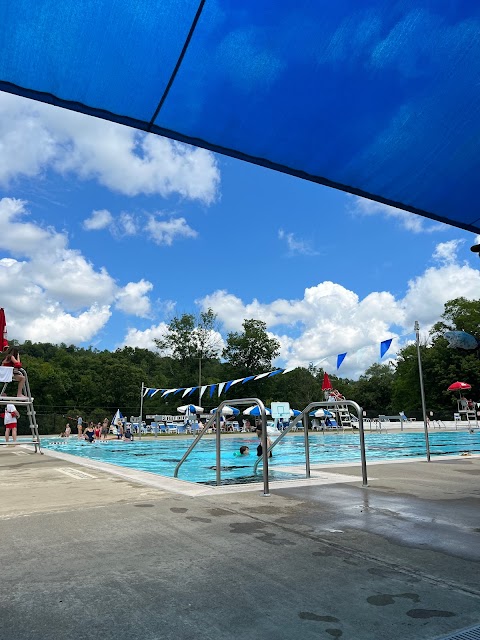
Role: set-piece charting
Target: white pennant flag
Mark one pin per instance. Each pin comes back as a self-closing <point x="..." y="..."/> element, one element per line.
<point x="262" y="375"/>
<point x="186" y="391"/>
<point x="202" y="391"/>
<point x="220" y="387"/>
<point x="237" y="380"/>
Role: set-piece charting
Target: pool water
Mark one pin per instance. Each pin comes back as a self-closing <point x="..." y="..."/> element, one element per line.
<point x="161" y="455"/>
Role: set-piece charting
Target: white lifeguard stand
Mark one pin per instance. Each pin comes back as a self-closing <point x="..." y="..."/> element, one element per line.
<point x="27" y="402"/>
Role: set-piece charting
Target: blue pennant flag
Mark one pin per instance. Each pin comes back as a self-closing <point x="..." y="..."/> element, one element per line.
<point x="193" y="389"/>
<point x="178" y="391"/>
<point x="385" y="346"/>
<point x="212" y="389"/>
<point x="247" y="379"/>
<point x="228" y="385"/>
<point x="274" y="373"/>
<point x="340" y="359"/>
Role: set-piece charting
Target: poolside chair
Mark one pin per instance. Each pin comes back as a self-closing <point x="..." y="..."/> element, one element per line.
<point x="172" y="428"/>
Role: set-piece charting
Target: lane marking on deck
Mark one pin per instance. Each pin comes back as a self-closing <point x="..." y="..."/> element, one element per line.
<point x="75" y="473"/>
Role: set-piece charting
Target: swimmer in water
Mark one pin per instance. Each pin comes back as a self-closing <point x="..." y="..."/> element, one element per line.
<point x="244" y="451"/>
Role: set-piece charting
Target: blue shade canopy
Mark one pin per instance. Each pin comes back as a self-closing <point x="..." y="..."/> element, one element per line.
<point x="380" y="99"/>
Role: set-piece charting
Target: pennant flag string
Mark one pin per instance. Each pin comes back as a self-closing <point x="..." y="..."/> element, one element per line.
<point x="221" y="387"/>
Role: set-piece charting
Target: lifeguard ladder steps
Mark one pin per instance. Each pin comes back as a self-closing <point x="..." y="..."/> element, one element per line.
<point x="26" y="402"/>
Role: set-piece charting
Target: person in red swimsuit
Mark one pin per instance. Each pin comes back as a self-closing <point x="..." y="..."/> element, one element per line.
<point x="12" y="359"/>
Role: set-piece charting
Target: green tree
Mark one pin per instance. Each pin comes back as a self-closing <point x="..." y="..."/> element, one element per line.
<point x="252" y="350"/>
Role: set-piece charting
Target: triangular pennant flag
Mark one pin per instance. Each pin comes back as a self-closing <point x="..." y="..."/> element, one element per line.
<point x="385" y="346"/>
<point x="289" y="369"/>
<point x="247" y="379"/>
<point x="178" y="391"/>
<point x="186" y="391"/>
<point x="154" y="391"/>
<point x="212" y="389"/>
<point x="228" y="385"/>
<point x="146" y="392"/>
<point x="262" y="375"/>
<point x="220" y="388"/>
<point x="167" y="392"/>
<point x="236" y="381"/>
<point x="274" y="373"/>
<point x="340" y="359"/>
<point x="192" y="390"/>
<point x="202" y="391"/>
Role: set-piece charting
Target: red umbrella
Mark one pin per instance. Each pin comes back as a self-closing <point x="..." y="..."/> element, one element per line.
<point x="326" y="384"/>
<point x="3" y="331"/>
<point x="458" y="386"/>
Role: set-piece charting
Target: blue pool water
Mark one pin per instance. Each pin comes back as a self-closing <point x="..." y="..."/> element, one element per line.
<point x="161" y="455"/>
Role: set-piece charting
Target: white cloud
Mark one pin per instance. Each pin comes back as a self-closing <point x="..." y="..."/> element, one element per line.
<point x="296" y="246"/>
<point x="52" y="292"/>
<point x="166" y="231"/>
<point x="407" y="220"/>
<point x="133" y="298"/>
<point x="329" y="319"/>
<point x="160" y="231"/>
<point x="446" y="252"/>
<point x="100" y="219"/>
<point x="145" y="339"/>
<point x="35" y="137"/>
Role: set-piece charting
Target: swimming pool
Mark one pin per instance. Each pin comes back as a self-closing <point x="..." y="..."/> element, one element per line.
<point x="161" y="455"/>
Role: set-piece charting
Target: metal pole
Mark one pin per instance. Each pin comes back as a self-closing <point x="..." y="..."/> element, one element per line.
<point x="362" y="447"/>
<point x="422" y="391"/>
<point x="217" y="438"/>
<point x="265" y="451"/>
<point x="141" y="413"/>
<point x="307" y="446"/>
<point x="199" y="380"/>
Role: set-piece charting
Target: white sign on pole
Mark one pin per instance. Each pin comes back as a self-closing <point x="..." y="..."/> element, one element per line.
<point x="280" y="410"/>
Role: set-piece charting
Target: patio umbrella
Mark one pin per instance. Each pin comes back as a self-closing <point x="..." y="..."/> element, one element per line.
<point x="326" y="384"/>
<point x="255" y="411"/>
<point x="459" y="386"/>
<point x="321" y="413"/>
<point x="3" y="331"/>
<point x="227" y="411"/>
<point x="294" y="413"/>
<point x="118" y="416"/>
<point x="190" y="408"/>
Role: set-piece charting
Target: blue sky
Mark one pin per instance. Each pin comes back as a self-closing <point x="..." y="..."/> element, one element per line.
<point x="107" y="233"/>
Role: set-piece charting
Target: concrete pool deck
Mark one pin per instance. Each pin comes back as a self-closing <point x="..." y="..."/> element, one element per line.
<point x="87" y="554"/>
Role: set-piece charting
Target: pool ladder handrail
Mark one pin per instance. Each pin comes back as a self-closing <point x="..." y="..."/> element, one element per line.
<point x="216" y="418"/>
<point x="303" y="416"/>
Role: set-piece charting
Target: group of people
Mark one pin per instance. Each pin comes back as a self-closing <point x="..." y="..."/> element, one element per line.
<point x="98" y="431"/>
<point x="91" y="432"/>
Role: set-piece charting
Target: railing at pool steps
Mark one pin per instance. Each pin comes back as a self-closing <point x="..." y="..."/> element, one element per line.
<point x="303" y="417"/>
<point x="216" y="419"/>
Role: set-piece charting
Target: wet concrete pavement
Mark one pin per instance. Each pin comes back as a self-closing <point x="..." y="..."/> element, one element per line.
<point x="90" y="555"/>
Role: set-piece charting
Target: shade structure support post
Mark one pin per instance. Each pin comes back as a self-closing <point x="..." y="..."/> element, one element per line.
<point x="422" y="390"/>
<point x="141" y="412"/>
<point x="218" y="452"/>
<point x="307" y="446"/>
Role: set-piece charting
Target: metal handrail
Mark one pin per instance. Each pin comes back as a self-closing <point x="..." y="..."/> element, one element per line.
<point x="303" y="416"/>
<point x="216" y="418"/>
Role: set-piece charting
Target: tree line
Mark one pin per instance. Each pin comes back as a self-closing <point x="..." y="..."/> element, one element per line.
<point x="68" y="381"/>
